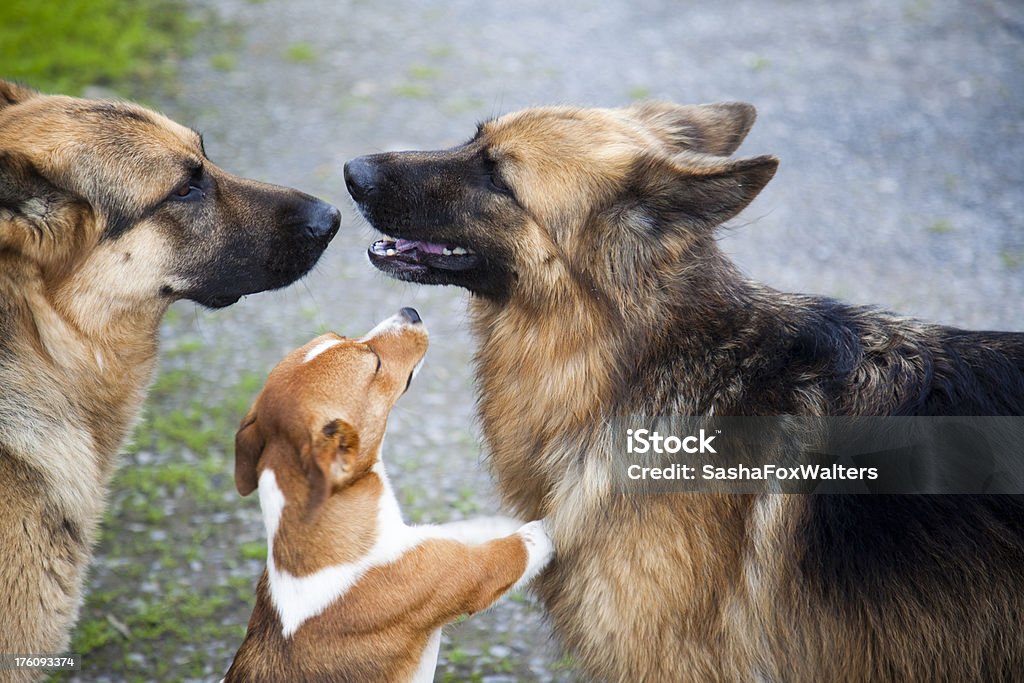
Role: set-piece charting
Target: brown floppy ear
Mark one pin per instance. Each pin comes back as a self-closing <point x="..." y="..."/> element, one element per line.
<point x="12" y="93"/>
<point x="249" y="444"/>
<point x="335" y="453"/>
<point x="697" y="191"/>
<point x="707" y="128"/>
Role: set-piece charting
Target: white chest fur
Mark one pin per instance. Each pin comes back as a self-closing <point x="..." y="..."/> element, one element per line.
<point x="298" y="598"/>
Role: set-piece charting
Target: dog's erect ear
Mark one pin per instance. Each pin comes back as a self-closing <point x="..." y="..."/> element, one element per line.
<point x="249" y="444"/>
<point x="38" y="219"/>
<point x="15" y="184"/>
<point x="335" y="451"/>
<point x="707" y="128"/>
<point x="24" y="190"/>
<point x="701" y="192"/>
<point x="12" y="93"/>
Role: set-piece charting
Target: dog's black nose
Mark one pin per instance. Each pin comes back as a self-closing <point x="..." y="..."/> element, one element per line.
<point x="410" y="315"/>
<point x="361" y="178"/>
<point x="323" y="220"/>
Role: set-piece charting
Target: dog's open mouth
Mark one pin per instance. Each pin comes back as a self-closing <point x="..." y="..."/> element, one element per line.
<point x="397" y="254"/>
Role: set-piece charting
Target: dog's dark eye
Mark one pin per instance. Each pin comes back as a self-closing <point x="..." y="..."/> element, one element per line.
<point x="188" y="191"/>
<point x="192" y="189"/>
<point x="495" y="182"/>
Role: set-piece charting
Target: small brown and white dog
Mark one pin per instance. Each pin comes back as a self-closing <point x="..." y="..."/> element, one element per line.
<point x="351" y="593"/>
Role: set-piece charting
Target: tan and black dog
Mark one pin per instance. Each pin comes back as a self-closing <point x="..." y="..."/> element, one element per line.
<point x="587" y="237"/>
<point x="109" y="212"/>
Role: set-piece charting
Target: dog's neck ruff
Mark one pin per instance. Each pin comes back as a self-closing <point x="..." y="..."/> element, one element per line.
<point x="299" y="598"/>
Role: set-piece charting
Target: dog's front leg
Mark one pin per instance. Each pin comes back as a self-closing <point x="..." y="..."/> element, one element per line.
<point x="491" y="568"/>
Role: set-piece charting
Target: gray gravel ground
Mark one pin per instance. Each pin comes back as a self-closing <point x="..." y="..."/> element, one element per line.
<point x="899" y="123"/>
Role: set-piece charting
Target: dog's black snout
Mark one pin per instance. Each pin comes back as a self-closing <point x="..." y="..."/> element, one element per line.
<point x="410" y="315"/>
<point x="361" y="178"/>
<point x="323" y="220"/>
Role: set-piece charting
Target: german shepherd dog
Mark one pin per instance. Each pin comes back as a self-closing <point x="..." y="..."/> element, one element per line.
<point x="108" y="213"/>
<point x="587" y="238"/>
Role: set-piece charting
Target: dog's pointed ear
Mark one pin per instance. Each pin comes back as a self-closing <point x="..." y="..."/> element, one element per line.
<point x="249" y="444"/>
<point x="335" y="451"/>
<point x="700" y="191"/>
<point x="707" y="128"/>
<point x="12" y="193"/>
<point x="12" y="93"/>
<point x="38" y="219"/>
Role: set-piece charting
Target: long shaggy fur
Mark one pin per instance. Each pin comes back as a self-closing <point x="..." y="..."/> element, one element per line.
<point x="601" y="292"/>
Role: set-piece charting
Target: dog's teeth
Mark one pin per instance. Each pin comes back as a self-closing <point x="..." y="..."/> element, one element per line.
<point x="459" y="251"/>
<point x="448" y="252"/>
<point x="390" y="252"/>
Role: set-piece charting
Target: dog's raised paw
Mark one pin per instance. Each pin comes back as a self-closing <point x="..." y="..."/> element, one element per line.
<point x="539" y="549"/>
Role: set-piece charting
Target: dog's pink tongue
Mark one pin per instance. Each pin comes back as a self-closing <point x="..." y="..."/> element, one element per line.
<point x="409" y="245"/>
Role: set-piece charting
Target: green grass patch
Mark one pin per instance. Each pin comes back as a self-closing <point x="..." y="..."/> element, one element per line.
<point x="300" y="53"/>
<point x="1012" y="260"/>
<point x="941" y="227"/>
<point x="461" y="105"/>
<point x="756" y="62"/>
<point x="253" y="550"/>
<point x="145" y="647"/>
<point x="224" y="61"/>
<point x="466" y="502"/>
<point x="639" y="92"/>
<point x="441" y="51"/>
<point x="423" y="72"/>
<point x="413" y="91"/>
<point x="65" y="46"/>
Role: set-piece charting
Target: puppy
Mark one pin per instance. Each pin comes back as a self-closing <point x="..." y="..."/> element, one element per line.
<point x="351" y="593"/>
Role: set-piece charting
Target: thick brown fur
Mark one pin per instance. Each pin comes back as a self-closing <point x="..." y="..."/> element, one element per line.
<point x="108" y="213"/>
<point x="600" y="292"/>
